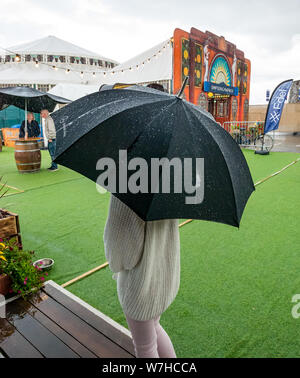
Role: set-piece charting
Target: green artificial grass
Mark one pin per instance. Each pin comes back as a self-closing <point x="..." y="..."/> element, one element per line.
<point x="236" y="284"/>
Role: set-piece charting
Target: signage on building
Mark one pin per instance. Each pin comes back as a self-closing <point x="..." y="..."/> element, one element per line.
<point x="220" y="88"/>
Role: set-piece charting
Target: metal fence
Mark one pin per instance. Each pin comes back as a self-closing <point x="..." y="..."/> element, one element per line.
<point x="250" y="134"/>
<point x="245" y="133"/>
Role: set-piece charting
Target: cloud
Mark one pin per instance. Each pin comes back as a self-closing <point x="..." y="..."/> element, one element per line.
<point x="267" y="31"/>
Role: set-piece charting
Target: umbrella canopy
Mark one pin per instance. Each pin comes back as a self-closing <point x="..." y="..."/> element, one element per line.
<point x="145" y="123"/>
<point x="30" y="98"/>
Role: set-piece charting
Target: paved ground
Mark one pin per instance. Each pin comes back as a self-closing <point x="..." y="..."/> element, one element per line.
<point x="287" y="142"/>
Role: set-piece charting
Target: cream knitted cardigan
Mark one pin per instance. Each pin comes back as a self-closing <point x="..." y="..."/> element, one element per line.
<point x="145" y="259"/>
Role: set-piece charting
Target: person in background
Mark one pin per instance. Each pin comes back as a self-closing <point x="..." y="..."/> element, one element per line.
<point x="33" y="129"/>
<point x="50" y="133"/>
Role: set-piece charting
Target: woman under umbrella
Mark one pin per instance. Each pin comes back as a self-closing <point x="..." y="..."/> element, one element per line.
<point x="33" y="129"/>
<point x="141" y="235"/>
<point x="145" y="257"/>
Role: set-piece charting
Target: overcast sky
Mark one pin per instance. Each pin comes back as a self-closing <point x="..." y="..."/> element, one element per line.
<point x="268" y="31"/>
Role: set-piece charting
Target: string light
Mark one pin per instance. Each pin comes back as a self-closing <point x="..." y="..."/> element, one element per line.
<point x="137" y="66"/>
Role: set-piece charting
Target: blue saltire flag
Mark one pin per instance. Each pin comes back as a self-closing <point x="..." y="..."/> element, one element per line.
<point x="276" y="104"/>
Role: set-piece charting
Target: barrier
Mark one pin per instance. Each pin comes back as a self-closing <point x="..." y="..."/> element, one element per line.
<point x="9" y="134"/>
<point x="245" y="133"/>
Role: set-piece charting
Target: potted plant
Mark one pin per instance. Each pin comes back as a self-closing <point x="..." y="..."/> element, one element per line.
<point x="18" y="275"/>
<point x="9" y="222"/>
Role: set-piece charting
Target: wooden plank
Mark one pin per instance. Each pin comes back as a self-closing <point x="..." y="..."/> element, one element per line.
<point x="13" y="344"/>
<point x="79" y="329"/>
<point x="40" y="337"/>
<point x="72" y="343"/>
<point x="1" y="355"/>
<point x="92" y="319"/>
<point x="8" y="226"/>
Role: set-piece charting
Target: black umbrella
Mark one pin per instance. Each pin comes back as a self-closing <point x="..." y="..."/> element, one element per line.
<point x="29" y="99"/>
<point x="144" y="122"/>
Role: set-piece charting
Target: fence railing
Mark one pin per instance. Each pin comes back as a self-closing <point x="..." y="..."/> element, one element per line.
<point x="245" y="133"/>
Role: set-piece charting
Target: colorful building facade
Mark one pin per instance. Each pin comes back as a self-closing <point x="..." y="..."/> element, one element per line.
<point x="219" y="74"/>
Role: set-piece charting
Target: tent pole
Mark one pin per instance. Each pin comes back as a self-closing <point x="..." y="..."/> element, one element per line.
<point x="25" y="118"/>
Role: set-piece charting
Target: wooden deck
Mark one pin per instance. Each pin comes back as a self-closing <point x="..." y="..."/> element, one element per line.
<point x="56" y="323"/>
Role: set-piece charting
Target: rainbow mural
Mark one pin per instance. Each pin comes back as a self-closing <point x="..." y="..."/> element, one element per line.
<point x="220" y="71"/>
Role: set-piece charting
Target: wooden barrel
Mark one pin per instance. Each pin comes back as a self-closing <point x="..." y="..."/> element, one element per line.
<point x="27" y="155"/>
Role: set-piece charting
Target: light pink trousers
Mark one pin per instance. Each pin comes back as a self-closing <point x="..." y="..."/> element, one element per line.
<point x="150" y="340"/>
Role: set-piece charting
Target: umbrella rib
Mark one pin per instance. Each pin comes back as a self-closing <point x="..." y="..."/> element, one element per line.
<point x="172" y="104"/>
<point x="233" y="191"/>
<point x="110" y="117"/>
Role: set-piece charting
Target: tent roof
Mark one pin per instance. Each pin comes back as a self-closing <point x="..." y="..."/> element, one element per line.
<point x="55" y="46"/>
<point x="73" y="91"/>
<point x="157" y="66"/>
<point x="24" y="73"/>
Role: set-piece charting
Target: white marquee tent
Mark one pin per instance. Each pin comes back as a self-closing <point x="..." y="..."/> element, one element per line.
<point x="73" y="91"/>
<point x="153" y="65"/>
<point x="55" y="46"/>
<point x="44" y="63"/>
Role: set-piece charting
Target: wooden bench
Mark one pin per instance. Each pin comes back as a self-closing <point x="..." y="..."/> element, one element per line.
<point x="56" y="323"/>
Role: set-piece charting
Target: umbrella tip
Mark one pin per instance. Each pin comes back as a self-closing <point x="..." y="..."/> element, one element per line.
<point x="180" y="93"/>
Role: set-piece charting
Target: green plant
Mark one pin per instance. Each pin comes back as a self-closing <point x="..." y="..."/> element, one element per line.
<point x="2" y="194"/>
<point x="18" y="265"/>
<point x="2" y="188"/>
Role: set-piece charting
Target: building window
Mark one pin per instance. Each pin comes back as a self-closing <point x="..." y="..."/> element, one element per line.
<point x="7" y="58"/>
<point x="62" y="59"/>
<point x="27" y="58"/>
<point x="43" y="87"/>
<point x="234" y="108"/>
<point x="202" y="101"/>
<point x="220" y="109"/>
<point x="50" y="58"/>
<point x="82" y="60"/>
<point x="246" y="110"/>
